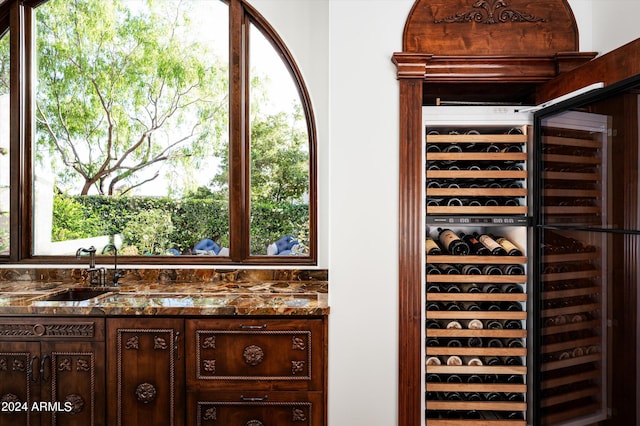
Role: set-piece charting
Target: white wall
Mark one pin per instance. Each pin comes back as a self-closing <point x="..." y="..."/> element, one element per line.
<point x="344" y="49"/>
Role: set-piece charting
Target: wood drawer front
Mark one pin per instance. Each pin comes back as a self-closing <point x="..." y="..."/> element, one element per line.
<point x="255" y="409"/>
<point x="255" y="354"/>
<point x="51" y="328"/>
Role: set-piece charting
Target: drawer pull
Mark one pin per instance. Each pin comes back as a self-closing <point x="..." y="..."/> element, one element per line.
<point x="254" y="423"/>
<point x="43" y="378"/>
<point x="253" y="327"/>
<point x="30" y="369"/>
<point x="258" y="399"/>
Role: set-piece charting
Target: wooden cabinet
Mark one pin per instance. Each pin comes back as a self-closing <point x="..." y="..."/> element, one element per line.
<point x="145" y="371"/>
<point x="234" y="371"/>
<point x="52" y="371"/>
<point x="253" y="372"/>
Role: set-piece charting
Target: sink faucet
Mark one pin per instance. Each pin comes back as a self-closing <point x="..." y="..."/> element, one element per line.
<point x="96" y="275"/>
<point x="116" y="274"/>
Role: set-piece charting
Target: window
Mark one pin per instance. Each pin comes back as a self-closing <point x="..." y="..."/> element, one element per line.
<point x="180" y="131"/>
<point x="4" y="146"/>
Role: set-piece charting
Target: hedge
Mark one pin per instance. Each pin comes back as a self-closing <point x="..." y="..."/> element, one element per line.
<point x="191" y="220"/>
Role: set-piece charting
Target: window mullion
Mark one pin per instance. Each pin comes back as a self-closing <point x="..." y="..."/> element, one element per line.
<point x="238" y="157"/>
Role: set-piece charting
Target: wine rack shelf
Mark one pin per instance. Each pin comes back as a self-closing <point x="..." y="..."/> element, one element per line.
<point x="487" y="170"/>
<point x="476" y="175"/>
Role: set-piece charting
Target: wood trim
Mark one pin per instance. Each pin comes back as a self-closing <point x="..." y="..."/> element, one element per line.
<point x="411" y="259"/>
<point x="615" y="66"/>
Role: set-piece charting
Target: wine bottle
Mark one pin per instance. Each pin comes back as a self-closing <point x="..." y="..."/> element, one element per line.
<point x="453" y="307"/>
<point x="494" y="325"/>
<point x="472" y="361"/>
<point x="495" y="343"/>
<point x="512" y="325"/>
<point x="433" y="324"/>
<point x="515" y="343"/>
<point x="492" y="361"/>
<point x="452" y="288"/>
<point x="433" y="342"/>
<point x="433" y="288"/>
<point x="433" y="360"/>
<point x="473" y="324"/>
<point x="432" y="247"/>
<point x="474" y="378"/>
<point x="452" y="243"/>
<point x="433" y="148"/>
<point x="470" y="270"/>
<point x="454" y="378"/>
<point x="491" y="244"/>
<point x="433" y="270"/>
<point x="454" y="343"/>
<point x="513" y="360"/>
<point x="453" y="324"/>
<point x="454" y="360"/>
<point x="434" y="306"/>
<point x="491" y="288"/>
<point x="447" y="269"/>
<point x="452" y="148"/>
<point x="475" y="342"/>
<point x="491" y="270"/>
<point x="511" y="306"/>
<point x="477" y="248"/>
<point x="512" y="269"/>
<point x="433" y="378"/>
<point x="471" y="288"/>
<point x="513" y="288"/>
<point x="510" y="248"/>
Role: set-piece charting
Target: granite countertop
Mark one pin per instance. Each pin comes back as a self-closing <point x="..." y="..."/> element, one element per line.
<point x="237" y="292"/>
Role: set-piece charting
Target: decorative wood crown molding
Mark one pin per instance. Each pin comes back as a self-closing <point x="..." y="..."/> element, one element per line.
<point x="496" y="12"/>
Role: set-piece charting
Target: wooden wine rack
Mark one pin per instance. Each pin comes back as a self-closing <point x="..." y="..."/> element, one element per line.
<point x="489" y="411"/>
<point x="485" y="158"/>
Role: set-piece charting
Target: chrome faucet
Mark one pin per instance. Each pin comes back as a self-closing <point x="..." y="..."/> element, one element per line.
<point x="96" y="275"/>
<point x="116" y="274"/>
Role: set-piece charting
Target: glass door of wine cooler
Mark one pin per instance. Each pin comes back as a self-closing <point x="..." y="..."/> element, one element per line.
<point x="574" y="271"/>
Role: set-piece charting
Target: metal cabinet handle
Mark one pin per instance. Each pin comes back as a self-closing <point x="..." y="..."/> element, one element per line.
<point x="42" y="365"/>
<point x="258" y="399"/>
<point x="30" y="375"/>
<point x="253" y="327"/>
<point x="176" y="351"/>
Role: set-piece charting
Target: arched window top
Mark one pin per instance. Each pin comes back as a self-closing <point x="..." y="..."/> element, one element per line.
<point x="168" y="128"/>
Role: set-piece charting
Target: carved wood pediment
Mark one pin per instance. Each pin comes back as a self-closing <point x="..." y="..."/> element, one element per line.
<point x="490" y="27"/>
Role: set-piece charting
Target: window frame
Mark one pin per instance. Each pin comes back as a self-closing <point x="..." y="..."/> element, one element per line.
<point x="19" y="16"/>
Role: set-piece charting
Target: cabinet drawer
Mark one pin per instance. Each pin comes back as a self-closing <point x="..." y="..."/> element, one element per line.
<point x="255" y="409"/>
<point x="255" y="354"/>
<point x="51" y="328"/>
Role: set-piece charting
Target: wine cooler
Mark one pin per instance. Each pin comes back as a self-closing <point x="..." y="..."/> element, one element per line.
<point x="532" y="263"/>
<point x="476" y="273"/>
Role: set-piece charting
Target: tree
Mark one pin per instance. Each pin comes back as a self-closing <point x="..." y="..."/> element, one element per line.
<point x="122" y="91"/>
<point x="4" y="64"/>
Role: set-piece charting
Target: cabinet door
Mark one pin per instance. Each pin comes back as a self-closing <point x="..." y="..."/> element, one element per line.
<point x="73" y="379"/>
<point x="255" y="409"/>
<point x="19" y="362"/>
<point x="146" y="371"/>
<point x="255" y="354"/>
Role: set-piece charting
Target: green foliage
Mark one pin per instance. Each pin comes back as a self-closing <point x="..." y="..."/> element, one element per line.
<point x="149" y="231"/>
<point x="72" y="220"/>
<point x="4" y="232"/>
<point x="270" y="221"/>
<point x="279" y="159"/>
<point x="190" y="220"/>
<point x="4" y="64"/>
<point x="123" y="90"/>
